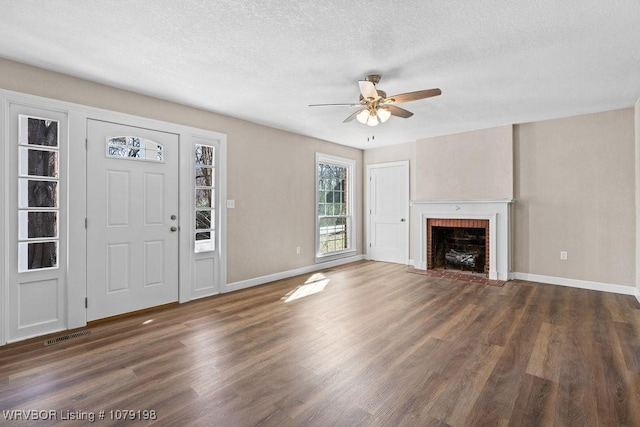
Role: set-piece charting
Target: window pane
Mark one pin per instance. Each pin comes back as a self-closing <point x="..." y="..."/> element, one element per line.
<point x="204" y="155"/>
<point x="333" y="234"/>
<point x="36" y="131"/>
<point x="135" y="153"/>
<point x="38" y="163"/>
<point x="204" y="198"/>
<point x="38" y="194"/>
<point x="205" y="242"/>
<point x="37" y="225"/>
<point x="33" y="256"/>
<point x="153" y="150"/>
<point x="134" y="147"/>
<point x="203" y="220"/>
<point x="204" y="176"/>
<point x="203" y="236"/>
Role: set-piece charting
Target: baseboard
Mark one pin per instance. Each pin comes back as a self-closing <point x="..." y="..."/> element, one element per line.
<point x="638" y="294"/>
<point x="582" y="284"/>
<point x="242" y="284"/>
<point x="411" y="263"/>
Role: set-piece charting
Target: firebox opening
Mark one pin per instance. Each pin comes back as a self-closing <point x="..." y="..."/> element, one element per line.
<point x="461" y="248"/>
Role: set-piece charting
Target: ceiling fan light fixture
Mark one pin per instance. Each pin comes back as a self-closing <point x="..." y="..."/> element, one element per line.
<point x="372" y="120"/>
<point x="383" y="114"/>
<point x="363" y="116"/>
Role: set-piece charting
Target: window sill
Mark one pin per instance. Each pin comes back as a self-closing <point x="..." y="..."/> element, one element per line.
<point x="335" y="255"/>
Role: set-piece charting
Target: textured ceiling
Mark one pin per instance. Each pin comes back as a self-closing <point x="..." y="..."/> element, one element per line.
<point x="497" y="62"/>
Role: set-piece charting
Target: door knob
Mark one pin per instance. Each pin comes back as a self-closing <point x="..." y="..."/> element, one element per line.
<point x="174" y="228"/>
<point x="173" y="217"/>
<point x="401" y="219"/>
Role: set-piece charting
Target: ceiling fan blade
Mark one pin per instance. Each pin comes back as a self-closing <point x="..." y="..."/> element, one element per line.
<point x="413" y="96"/>
<point x="368" y="89"/>
<point x="334" y="105"/>
<point x="398" y="112"/>
<point x="353" y="116"/>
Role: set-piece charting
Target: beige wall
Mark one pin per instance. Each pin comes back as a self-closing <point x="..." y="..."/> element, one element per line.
<point x="573" y="180"/>
<point x="575" y="192"/>
<point x="270" y="173"/>
<point x="474" y="165"/>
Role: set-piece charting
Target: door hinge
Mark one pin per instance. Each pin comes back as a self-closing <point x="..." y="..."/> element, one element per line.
<point x="86" y="223"/>
<point x="86" y="302"/>
<point x="86" y="143"/>
<point x="369" y="244"/>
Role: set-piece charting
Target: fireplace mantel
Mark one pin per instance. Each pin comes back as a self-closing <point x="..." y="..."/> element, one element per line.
<point x="498" y="212"/>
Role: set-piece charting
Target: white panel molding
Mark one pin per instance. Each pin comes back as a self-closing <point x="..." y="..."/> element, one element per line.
<point x="242" y="284"/>
<point x="582" y="284"/>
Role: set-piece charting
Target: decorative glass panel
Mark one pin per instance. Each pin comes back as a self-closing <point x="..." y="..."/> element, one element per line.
<point x="33" y="256"/>
<point x="38" y="224"/>
<point x="38" y="194"/>
<point x="37" y="131"/>
<point x="134" y="147"/>
<point x="38" y="163"/>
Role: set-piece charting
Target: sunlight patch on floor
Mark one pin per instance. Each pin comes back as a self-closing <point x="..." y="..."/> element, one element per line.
<point x="314" y="284"/>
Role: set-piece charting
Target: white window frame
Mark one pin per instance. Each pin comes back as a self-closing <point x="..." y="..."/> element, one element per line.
<point x="205" y="245"/>
<point x="350" y="164"/>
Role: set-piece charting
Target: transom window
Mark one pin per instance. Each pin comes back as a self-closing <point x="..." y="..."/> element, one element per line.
<point x="134" y="148"/>
<point x="334" y="206"/>
<point x="38" y="193"/>
<point x="204" y="208"/>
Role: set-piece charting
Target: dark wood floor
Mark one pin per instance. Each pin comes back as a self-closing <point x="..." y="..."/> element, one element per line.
<point x="364" y="344"/>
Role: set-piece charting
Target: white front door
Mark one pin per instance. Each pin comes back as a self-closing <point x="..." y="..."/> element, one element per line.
<point x="389" y="212"/>
<point x="132" y="222"/>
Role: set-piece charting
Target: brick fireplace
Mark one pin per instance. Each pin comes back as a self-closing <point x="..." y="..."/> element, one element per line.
<point x="494" y="216"/>
<point x="476" y="243"/>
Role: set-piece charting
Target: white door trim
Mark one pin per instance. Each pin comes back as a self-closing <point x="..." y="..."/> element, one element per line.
<point x="4" y="278"/>
<point x="368" y="205"/>
<point x="75" y="314"/>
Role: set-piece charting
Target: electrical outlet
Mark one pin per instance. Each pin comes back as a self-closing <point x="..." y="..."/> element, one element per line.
<point x="563" y="255"/>
<point x="298" y="250"/>
<point x="231" y="204"/>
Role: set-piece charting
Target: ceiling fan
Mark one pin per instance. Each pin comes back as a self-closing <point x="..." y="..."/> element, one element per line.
<point x="376" y="107"/>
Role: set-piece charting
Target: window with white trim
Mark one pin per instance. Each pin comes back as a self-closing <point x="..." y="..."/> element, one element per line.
<point x="335" y="196"/>
<point x="205" y="193"/>
<point x="38" y="193"/>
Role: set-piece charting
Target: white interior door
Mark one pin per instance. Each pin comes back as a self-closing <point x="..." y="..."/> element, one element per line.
<point x="132" y="223"/>
<point x="389" y="212"/>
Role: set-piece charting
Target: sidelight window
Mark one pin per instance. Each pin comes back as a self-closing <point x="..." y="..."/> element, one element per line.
<point x="204" y="205"/>
<point x="38" y="193"/>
